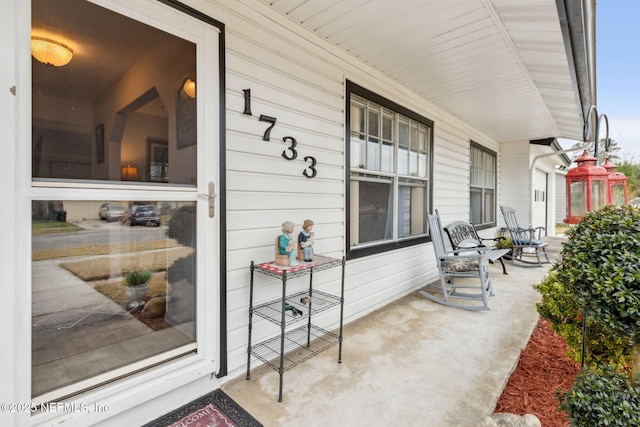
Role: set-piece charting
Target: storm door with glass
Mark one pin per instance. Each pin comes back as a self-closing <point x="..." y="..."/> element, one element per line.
<point x="123" y="167"/>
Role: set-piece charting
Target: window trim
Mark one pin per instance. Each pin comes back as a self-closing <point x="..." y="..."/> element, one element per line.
<point x="352" y="252"/>
<point x="473" y="144"/>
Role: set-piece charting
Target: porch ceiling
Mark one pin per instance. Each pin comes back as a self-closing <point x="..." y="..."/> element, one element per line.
<point x="499" y="65"/>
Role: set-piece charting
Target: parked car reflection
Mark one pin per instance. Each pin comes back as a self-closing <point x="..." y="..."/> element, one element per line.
<point x="111" y="211"/>
<point x="141" y="214"/>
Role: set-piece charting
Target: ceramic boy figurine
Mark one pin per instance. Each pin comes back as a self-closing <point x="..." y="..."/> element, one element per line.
<point x="286" y="244"/>
<point x="305" y="240"/>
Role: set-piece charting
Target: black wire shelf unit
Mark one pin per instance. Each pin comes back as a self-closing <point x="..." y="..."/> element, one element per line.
<point x="295" y="345"/>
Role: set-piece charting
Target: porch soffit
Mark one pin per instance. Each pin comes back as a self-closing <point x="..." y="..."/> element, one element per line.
<point x="499" y="65"/>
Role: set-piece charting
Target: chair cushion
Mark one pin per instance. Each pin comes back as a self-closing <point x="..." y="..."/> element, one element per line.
<point x="469" y="244"/>
<point x="529" y="242"/>
<point x="459" y="264"/>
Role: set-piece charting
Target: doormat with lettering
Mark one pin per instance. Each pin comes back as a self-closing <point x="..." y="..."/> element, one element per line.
<point x="213" y="409"/>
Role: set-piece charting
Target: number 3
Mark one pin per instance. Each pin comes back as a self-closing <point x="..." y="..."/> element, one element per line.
<point x="312" y="167"/>
<point x="291" y="148"/>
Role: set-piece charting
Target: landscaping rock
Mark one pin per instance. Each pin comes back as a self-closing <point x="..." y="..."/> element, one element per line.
<point x="155" y="307"/>
<point x="503" y="419"/>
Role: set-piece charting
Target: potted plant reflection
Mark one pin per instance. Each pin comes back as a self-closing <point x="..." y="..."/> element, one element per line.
<point x="137" y="285"/>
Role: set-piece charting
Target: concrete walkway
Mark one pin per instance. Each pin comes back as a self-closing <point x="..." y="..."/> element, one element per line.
<point x="79" y="333"/>
<point x="411" y="363"/>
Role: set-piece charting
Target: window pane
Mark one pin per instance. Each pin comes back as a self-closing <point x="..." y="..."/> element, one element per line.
<point x="387" y="126"/>
<point x="422" y="152"/>
<point x="404" y="211"/>
<point x="374" y="211"/>
<point x="474" y="169"/>
<point x="414" y="136"/>
<point x="374" y="123"/>
<point x="86" y="321"/>
<point x="422" y="140"/>
<point x="403" y="136"/>
<point x="387" y="157"/>
<point x="476" y="206"/>
<point x="373" y="154"/>
<point x="413" y="163"/>
<point x="357" y="151"/>
<point x="489" y="203"/>
<point x="357" y="117"/>
<point x="101" y="117"/>
<point x="403" y="161"/>
<point x="411" y="208"/>
<point x="423" y="166"/>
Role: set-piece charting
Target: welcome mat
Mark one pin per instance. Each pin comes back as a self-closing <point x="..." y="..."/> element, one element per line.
<point x="213" y="409"/>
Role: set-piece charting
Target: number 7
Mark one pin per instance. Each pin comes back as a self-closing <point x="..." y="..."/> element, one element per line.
<point x="267" y="132"/>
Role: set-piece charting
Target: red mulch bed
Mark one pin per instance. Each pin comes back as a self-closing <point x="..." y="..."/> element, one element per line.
<point x="543" y="368"/>
<point x="155" y="323"/>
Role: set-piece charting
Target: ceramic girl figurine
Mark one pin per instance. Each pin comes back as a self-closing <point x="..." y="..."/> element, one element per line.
<point x="305" y="240"/>
<point x="286" y="243"/>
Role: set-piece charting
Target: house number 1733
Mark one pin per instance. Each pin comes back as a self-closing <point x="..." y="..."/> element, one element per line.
<point x="290" y="152"/>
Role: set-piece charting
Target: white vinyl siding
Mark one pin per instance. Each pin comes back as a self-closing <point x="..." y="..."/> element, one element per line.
<point x="299" y="79"/>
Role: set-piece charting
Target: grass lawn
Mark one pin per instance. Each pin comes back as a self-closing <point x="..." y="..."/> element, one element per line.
<point x="106" y="249"/>
<point x="106" y="267"/>
<point x="49" y="227"/>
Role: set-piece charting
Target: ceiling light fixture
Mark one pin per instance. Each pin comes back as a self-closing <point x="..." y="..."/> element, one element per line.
<point x="50" y="52"/>
<point x="189" y="88"/>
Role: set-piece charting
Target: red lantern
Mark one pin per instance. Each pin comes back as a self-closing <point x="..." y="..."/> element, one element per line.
<point x="587" y="187"/>
<point x="617" y="191"/>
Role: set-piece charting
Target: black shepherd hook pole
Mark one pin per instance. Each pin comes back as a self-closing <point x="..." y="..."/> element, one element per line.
<point x="586" y="130"/>
<point x="607" y="141"/>
<point x="596" y="136"/>
<point x="584" y="338"/>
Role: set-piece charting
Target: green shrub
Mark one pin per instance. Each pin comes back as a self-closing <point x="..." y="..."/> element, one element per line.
<point x="600" y="267"/>
<point x="604" y="398"/>
<point x="182" y="226"/>
<point x="561" y="308"/>
<point x="182" y="268"/>
<point x="505" y="241"/>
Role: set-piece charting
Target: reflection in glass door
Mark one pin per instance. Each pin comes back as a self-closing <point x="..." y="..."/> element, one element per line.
<point x="114" y="194"/>
<point x="110" y="292"/>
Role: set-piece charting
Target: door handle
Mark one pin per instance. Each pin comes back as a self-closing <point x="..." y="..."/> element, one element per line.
<point x="211" y="196"/>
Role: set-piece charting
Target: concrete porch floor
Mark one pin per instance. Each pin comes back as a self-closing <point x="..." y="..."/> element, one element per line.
<point x="413" y="363"/>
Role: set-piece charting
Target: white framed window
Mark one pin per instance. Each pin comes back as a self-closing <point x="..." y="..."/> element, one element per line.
<point x="482" y="186"/>
<point x="390" y="167"/>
